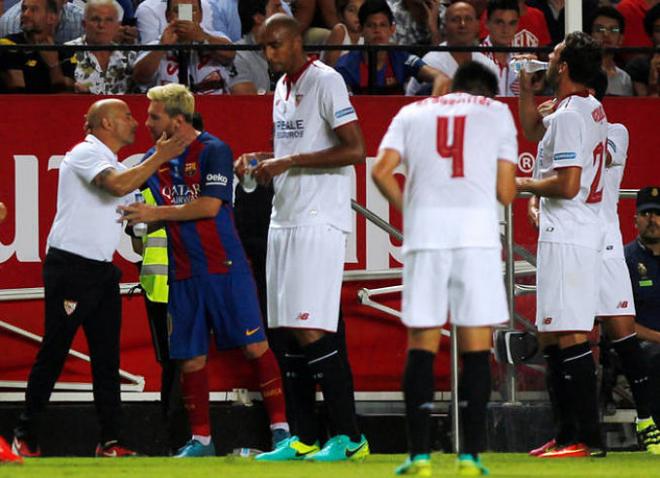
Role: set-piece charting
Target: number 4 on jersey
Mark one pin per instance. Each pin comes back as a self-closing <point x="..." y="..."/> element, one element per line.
<point x="455" y="151"/>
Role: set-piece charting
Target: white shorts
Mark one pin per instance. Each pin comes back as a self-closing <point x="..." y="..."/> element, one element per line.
<point x="566" y="287"/>
<point x="615" y="295"/>
<point x="304" y="273"/>
<point x="467" y="282"/>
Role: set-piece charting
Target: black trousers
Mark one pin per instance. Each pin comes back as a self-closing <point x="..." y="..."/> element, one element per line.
<point x="79" y="292"/>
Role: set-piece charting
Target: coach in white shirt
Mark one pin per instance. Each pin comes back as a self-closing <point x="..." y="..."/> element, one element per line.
<point x="81" y="283"/>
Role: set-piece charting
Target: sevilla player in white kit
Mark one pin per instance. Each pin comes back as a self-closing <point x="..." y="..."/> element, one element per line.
<point x="317" y="139"/>
<point x="569" y="181"/>
<point x="460" y="153"/>
<point x="616" y="308"/>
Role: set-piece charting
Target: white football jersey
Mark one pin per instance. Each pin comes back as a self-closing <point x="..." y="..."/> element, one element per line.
<point x="450" y="146"/>
<point x="617" y="146"/>
<point x="576" y="136"/>
<point x="306" y="111"/>
<point x="207" y="75"/>
<point x="508" y="79"/>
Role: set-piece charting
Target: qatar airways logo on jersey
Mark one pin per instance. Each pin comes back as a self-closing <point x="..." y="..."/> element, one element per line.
<point x="180" y="193"/>
<point x="289" y="129"/>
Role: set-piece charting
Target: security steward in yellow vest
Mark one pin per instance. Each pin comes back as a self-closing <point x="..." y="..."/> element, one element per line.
<point x="153" y="281"/>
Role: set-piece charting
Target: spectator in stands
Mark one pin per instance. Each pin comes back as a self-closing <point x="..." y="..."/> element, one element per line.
<point x="462" y="29"/>
<point x="607" y="28"/>
<point x="347" y="32"/>
<point x="250" y="74"/>
<point x="31" y="71"/>
<point x="225" y="18"/>
<point x="204" y="72"/>
<point x="393" y="68"/>
<point x="503" y="17"/>
<point x="643" y="259"/>
<point x="418" y="22"/>
<point x="645" y="70"/>
<point x="151" y="18"/>
<point x="553" y="10"/>
<point x="634" y="12"/>
<point x="67" y="27"/>
<point x="532" y="29"/>
<point x="101" y="72"/>
<point x="317" y="18"/>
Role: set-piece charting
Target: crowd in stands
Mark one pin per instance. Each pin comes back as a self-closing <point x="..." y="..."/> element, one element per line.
<point x="416" y="23"/>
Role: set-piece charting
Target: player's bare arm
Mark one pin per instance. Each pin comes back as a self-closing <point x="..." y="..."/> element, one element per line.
<point x="530" y="118"/>
<point x="533" y="211"/>
<point x="383" y="175"/>
<point x="564" y="185"/>
<point x="350" y="150"/>
<point x="644" y="333"/>
<point x="506" y="181"/>
<point x="203" y="207"/>
<point x="120" y="183"/>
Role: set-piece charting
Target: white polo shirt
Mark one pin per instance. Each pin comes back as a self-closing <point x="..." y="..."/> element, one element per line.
<point x="450" y="146"/>
<point x="86" y="220"/>
<point x="445" y="62"/>
<point x="306" y="111"/>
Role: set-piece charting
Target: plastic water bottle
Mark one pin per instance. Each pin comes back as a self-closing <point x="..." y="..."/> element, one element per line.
<point x="140" y="228"/>
<point x="248" y="182"/>
<point x="530" y="66"/>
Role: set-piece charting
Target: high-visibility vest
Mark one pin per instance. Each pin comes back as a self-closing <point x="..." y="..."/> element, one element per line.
<point x="153" y="275"/>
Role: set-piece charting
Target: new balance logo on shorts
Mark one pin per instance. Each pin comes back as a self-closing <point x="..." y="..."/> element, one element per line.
<point x="622" y="305"/>
<point x="303" y="316"/>
<point x="547" y="320"/>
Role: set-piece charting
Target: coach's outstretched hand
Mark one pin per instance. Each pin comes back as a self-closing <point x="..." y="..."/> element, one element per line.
<point x="170" y="148"/>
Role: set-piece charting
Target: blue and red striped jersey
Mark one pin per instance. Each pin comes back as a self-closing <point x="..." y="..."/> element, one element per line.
<point x="203" y="246"/>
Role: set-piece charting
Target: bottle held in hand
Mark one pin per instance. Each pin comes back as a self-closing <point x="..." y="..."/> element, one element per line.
<point x="140" y="229"/>
<point x="530" y="66"/>
<point x="249" y="183"/>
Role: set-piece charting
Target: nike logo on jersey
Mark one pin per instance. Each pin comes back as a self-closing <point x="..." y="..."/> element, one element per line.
<point x="249" y="332"/>
<point x="350" y="453"/>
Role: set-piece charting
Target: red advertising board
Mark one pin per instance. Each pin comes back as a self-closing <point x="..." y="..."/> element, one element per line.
<point x="36" y="131"/>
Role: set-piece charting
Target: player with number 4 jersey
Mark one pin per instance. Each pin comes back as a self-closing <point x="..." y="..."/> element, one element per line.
<point x="460" y="154"/>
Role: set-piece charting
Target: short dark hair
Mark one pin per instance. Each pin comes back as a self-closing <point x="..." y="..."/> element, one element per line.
<point x="582" y="55"/>
<point x="599" y="84"/>
<point x="494" y="5"/>
<point x="650" y="18"/>
<point x="372" y="7"/>
<point x="340" y="5"/>
<point x="247" y="9"/>
<point x="52" y="6"/>
<point x="169" y="5"/>
<point x="607" y="12"/>
<point x="476" y="79"/>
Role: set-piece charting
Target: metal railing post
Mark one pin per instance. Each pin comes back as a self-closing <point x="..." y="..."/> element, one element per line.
<point x="511" y="392"/>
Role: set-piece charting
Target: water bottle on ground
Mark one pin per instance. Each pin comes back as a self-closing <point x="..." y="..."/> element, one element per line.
<point x="530" y="66"/>
<point x="249" y="183"/>
<point x="140" y="229"/>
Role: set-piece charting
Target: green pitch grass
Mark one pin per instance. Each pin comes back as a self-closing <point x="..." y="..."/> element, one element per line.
<point x="502" y="465"/>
